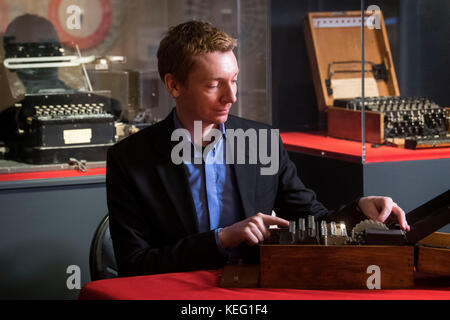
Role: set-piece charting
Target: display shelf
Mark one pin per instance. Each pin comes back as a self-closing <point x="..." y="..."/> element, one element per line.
<point x="16" y="171"/>
<point x="320" y="144"/>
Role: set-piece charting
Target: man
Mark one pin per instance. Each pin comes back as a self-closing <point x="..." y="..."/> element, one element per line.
<point x="167" y="216"/>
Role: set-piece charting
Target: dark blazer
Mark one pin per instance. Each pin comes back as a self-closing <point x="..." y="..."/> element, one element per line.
<point x="153" y="221"/>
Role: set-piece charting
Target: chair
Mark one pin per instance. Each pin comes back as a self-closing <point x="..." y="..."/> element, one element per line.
<point x="102" y="262"/>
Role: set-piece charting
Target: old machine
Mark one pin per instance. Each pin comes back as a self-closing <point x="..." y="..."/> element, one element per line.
<point x="413" y="122"/>
<point x="333" y="41"/>
<point x="323" y="254"/>
<point x="53" y="128"/>
<point x="59" y="116"/>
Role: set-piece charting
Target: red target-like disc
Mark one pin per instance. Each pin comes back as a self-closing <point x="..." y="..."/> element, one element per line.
<point x="95" y="21"/>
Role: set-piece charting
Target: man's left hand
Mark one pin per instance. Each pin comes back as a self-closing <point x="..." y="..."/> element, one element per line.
<point x="383" y="209"/>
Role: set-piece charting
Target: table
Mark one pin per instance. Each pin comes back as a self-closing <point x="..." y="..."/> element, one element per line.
<point x="203" y="285"/>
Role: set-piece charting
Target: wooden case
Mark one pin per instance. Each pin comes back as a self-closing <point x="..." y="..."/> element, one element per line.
<point x="433" y="254"/>
<point x="335" y="267"/>
<point x="320" y="267"/>
<point x="344" y="43"/>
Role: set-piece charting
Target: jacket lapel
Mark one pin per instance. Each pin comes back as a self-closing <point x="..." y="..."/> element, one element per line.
<point x="174" y="178"/>
<point x="245" y="175"/>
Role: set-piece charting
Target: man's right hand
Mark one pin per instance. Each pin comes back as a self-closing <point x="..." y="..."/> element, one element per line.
<point x="251" y="230"/>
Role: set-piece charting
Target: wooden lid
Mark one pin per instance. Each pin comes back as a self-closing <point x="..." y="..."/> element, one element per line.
<point x="333" y="41"/>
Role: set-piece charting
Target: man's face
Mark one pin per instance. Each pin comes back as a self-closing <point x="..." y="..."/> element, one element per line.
<point x="210" y="89"/>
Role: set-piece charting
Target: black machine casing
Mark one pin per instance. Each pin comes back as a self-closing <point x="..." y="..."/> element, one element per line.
<point x="54" y="128"/>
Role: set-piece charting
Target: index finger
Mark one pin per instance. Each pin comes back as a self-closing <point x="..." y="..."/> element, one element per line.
<point x="401" y="217"/>
<point x="269" y="220"/>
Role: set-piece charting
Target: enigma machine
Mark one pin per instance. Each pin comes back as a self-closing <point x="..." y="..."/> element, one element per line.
<point x="333" y="41"/>
<point x="59" y="116"/>
<point x="325" y="255"/>
<point x="413" y="122"/>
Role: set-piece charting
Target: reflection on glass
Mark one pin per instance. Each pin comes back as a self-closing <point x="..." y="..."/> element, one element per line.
<point x="35" y="59"/>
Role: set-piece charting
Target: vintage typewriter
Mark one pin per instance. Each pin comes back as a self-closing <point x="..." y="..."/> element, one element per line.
<point x="54" y="122"/>
<point x="53" y="128"/>
<point x="414" y="122"/>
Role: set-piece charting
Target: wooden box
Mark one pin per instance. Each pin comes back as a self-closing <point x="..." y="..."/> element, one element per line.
<point x="336" y="37"/>
<point x="433" y="254"/>
<point x="335" y="267"/>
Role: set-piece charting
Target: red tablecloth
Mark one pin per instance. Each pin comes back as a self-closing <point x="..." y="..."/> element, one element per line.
<point x="322" y="145"/>
<point x="203" y="285"/>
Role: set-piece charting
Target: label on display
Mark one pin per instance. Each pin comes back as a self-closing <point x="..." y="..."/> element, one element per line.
<point x="77" y="136"/>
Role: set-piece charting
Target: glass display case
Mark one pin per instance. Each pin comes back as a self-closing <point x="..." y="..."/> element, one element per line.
<point x="368" y="109"/>
<point x="72" y="54"/>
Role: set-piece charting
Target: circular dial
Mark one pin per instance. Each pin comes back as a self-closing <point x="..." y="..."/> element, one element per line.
<point x="90" y="24"/>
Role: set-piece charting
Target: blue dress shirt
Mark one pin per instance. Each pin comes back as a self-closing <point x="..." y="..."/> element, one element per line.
<point x="213" y="187"/>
